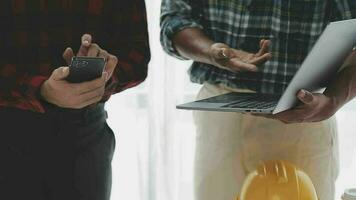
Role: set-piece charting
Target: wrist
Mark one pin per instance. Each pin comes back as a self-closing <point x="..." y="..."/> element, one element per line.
<point x="43" y="92"/>
<point x="208" y="53"/>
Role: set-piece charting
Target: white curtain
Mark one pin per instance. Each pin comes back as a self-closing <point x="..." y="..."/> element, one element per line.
<point x="155" y="142"/>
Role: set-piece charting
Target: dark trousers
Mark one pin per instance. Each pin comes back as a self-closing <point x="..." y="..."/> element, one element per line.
<point x="64" y="154"/>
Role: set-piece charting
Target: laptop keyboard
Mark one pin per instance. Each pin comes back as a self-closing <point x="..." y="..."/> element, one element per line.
<point x="246" y="100"/>
<point x="251" y="103"/>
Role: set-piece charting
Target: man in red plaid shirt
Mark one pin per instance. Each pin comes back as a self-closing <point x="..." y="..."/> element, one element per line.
<point x="55" y="143"/>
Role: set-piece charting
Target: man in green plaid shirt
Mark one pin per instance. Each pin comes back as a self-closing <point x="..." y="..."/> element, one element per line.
<point x="258" y="46"/>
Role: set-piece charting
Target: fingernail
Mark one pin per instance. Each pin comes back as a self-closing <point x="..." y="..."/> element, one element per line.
<point x="86" y="42"/>
<point x="67" y="49"/>
<point x="307" y="96"/>
<point x="302" y="94"/>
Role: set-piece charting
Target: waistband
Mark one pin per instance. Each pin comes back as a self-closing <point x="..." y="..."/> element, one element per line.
<point x="87" y="115"/>
<point x="224" y="88"/>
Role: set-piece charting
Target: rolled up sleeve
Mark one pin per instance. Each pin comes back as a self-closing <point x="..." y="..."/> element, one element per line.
<point x="177" y="15"/>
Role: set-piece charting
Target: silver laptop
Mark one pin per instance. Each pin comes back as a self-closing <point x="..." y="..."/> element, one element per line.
<point x="321" y="64"/>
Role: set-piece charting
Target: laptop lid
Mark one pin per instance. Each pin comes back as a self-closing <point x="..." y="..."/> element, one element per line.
<point x="322" y="63"/>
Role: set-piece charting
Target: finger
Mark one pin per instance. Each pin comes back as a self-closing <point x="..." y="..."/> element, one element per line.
<point x="293" y="116"/>
<point x="104" y="54"/>
<point x="111" y="65"/>
<point x="60" y="73"/>
<point x="264" y="47"/>
<point x="298" y="114"/>
<point x="94" y="50"/>
<point x="68" y="54"/>
<point x="292" y="121"/>
<point x="263" y="115"/>
<point x="261" y="43"/>
<point x="261" y="59"/>
<point x="274" y="117"/>
<point x="95" y="99"/>
<point x="85" y="45"/>
<point x="86" y="40"/>
<point x="306" y="97"/>
<point x="81" y="88"/>
<point x="285" y="119"/>
<point x="92" y="94"/>
<point x="237" y="65"/>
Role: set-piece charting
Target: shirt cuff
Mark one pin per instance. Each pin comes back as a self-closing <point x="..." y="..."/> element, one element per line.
<point x="170" y="28"/>
<point x="34" y="93"/>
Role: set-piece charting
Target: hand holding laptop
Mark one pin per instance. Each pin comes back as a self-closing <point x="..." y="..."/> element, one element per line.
<point x="314" y="107"/>
<point x="222" y="56"/>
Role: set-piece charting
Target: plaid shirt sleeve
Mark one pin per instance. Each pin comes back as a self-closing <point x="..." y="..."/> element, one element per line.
<point x="346" y="9"/>
<point x="25" y="92"/>
<point x="130" y="44"/>
<point x="176" y="15"/>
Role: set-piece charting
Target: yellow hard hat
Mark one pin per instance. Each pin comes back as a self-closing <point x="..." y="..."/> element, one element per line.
<point x="277" y="180"/>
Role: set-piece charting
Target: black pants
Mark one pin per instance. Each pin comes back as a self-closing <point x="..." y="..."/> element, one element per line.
<point x="61" y="155"/>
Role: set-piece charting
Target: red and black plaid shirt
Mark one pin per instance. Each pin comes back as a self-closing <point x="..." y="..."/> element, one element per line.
<point x="35" y="33"/>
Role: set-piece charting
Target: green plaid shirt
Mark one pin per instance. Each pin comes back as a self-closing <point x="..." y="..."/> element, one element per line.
<point x="293" y="26"/>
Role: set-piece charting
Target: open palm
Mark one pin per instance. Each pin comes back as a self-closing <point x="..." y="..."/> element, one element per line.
<point x="237" y="60"/>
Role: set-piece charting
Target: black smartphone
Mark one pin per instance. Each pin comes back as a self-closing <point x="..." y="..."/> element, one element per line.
<point x="84" y="69"/>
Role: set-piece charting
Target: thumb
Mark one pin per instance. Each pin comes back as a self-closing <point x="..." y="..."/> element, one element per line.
<point x="86" y="40"/>
<point x="85" y="45"/>
<point x="60" y="73"/>
<point x="306" y="97"/>
<point x="68" y="54"/>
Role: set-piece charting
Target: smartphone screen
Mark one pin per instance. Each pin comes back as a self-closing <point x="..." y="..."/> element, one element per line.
<point x="84" y="69"/>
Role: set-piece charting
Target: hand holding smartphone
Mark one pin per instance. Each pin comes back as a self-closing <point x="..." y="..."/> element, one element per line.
<point x="84" y="69"/>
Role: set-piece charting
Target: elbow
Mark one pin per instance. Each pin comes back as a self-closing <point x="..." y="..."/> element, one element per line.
<point x="169" y="47"/>
<point x="142" y="76"/>
<point x="146" y="64"/>
<point x="165" y="39"/>
<point x="166" y="35"/>
<point x="166" y="48"/>
<point x="140" y="67"/>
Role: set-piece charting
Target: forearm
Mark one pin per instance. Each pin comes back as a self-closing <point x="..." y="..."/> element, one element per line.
<point x="192" y="43"/>
<point x="343" y="88"/>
